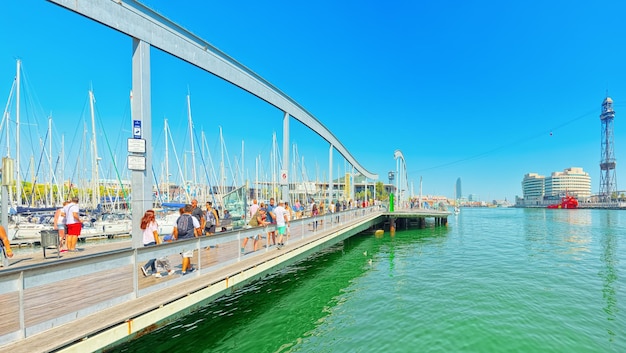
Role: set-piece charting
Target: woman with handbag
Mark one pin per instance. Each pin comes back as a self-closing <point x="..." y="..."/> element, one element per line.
<point x="149" y="229"/>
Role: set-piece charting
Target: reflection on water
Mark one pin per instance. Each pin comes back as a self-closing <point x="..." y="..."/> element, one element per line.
<point x="247" y="320"/>
<point x="282" y="310"/>
<point x="607" y="272"/>
<point x="495" y="279"/>
<point x="558" y="232"/>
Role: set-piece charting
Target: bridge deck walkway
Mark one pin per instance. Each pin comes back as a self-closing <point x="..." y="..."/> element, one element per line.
<point x="49" y="301"/>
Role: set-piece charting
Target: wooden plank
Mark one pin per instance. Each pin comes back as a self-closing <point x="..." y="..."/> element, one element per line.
<point x="53" y="300"/>
<point x="9" y="312"/>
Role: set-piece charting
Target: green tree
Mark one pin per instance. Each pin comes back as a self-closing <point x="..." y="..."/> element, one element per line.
<point x="381" y="194"/>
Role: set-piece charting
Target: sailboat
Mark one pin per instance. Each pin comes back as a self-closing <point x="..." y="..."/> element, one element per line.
<point x="20" y="221"/>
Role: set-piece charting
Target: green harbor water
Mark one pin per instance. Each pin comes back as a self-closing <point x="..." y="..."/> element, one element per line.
<point x="493" y="280"/>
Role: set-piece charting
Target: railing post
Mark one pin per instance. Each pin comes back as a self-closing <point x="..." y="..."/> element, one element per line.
<point x="135" y="274"/>
<point x="20" y="289"/>
<point x="199" y="249"/>
<point x="239" y="245"/>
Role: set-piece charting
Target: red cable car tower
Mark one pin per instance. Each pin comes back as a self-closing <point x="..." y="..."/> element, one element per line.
<point x="608" y="181"/>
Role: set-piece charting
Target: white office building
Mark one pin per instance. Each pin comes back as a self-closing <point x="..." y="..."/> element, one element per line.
<point x="573" y="181"/>
<point x="540" y="191"/>
<point x="533" y="188"/>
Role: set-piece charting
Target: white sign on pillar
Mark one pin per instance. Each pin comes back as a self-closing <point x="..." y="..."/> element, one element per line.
<point x="283" y="177"/>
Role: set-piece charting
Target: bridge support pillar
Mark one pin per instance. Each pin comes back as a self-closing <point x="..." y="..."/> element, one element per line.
<point x="284" y="181"/>
<point x="141" y="180"/>
<point x="330" y="176"/>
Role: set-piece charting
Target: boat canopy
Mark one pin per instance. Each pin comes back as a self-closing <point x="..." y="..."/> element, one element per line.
<point x="21" y="209"/>
<point x="173" y="205"/>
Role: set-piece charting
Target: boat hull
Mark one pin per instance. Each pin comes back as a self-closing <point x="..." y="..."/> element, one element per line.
<point x="568" y="202"/>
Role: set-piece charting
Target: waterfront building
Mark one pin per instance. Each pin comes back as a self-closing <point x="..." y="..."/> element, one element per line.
<point x="573" y="181"/>
<point x="540" y="191"/>
<point x="473" y="198"/>
<point x="533" y="189"/>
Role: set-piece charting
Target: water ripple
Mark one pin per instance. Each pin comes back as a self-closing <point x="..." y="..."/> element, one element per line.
<point x="494" y="280"/>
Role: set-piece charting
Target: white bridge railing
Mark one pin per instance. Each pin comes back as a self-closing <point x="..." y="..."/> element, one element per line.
<point x="40" y="297"/>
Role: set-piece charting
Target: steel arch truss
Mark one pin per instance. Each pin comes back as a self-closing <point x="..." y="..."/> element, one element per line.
<point x="138" y="21"/>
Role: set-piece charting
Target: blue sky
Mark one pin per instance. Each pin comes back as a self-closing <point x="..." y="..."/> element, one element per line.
<point x="482" y="90"/>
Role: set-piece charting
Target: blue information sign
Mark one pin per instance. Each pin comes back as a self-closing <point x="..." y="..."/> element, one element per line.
<point x="137" y="129"/>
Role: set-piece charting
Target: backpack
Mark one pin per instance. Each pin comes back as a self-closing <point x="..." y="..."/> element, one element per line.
<point x="185" y="226"/>
<point x="210" y="218"/>
<point x="254" y="222"/>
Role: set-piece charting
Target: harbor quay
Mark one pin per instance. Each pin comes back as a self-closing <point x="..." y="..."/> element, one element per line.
<point x="98" y="297"/>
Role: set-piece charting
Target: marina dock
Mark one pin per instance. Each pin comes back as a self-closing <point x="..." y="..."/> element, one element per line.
<point x="112" y="301"/>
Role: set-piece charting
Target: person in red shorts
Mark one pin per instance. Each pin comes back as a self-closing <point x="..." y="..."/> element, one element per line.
<point x="74" y="225"/>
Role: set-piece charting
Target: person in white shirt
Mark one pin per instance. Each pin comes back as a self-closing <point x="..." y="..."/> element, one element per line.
<point x="59" y="225"/>
<point x="254" y="208"/>
<point x="187" y="227"/>
<point x="74" y="225"/>
<point x="281" y="222"/>
<point x="150" y="232"/>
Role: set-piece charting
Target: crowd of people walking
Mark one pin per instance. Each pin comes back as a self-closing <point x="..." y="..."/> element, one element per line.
<point x="273" y="220"/>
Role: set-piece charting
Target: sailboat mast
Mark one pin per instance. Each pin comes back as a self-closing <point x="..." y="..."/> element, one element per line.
<point x="96" y="189"/>
<point x="273" y="165"/>
<point x="242" y="162"/>
<point x="305" y="180"/>
<point x="180" y="170"/>
<point x="6" y="119"/>
<point x="33" y="193"/>
<point x="81" y="181"/>
<point x="203" y="154"/>
<point x="7" y="126"/>
<point x="18" y="189"/>
<point x="193" y="153"/>
<point x="294" y="166"/>
<point x="167" y="165"/>
<point x="50" y="160"/>
<point x="256" y="179"/>
<point x="62" y="198"/>
<point x="222" y="174"/>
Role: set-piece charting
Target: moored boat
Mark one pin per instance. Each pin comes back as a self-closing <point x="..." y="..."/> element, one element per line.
<point x="568" y="202"/>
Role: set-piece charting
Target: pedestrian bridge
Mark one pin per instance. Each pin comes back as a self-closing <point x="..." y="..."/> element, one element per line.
<point x="98" y="297"/>
<point x="92" y="299"/>
<point x="148" y="29"/>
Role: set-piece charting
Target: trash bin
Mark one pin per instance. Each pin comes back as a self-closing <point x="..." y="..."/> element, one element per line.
<point x="50" y="239"/>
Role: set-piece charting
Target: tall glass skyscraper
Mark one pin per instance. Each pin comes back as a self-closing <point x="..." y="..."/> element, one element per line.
<point x="459" y="194"/>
